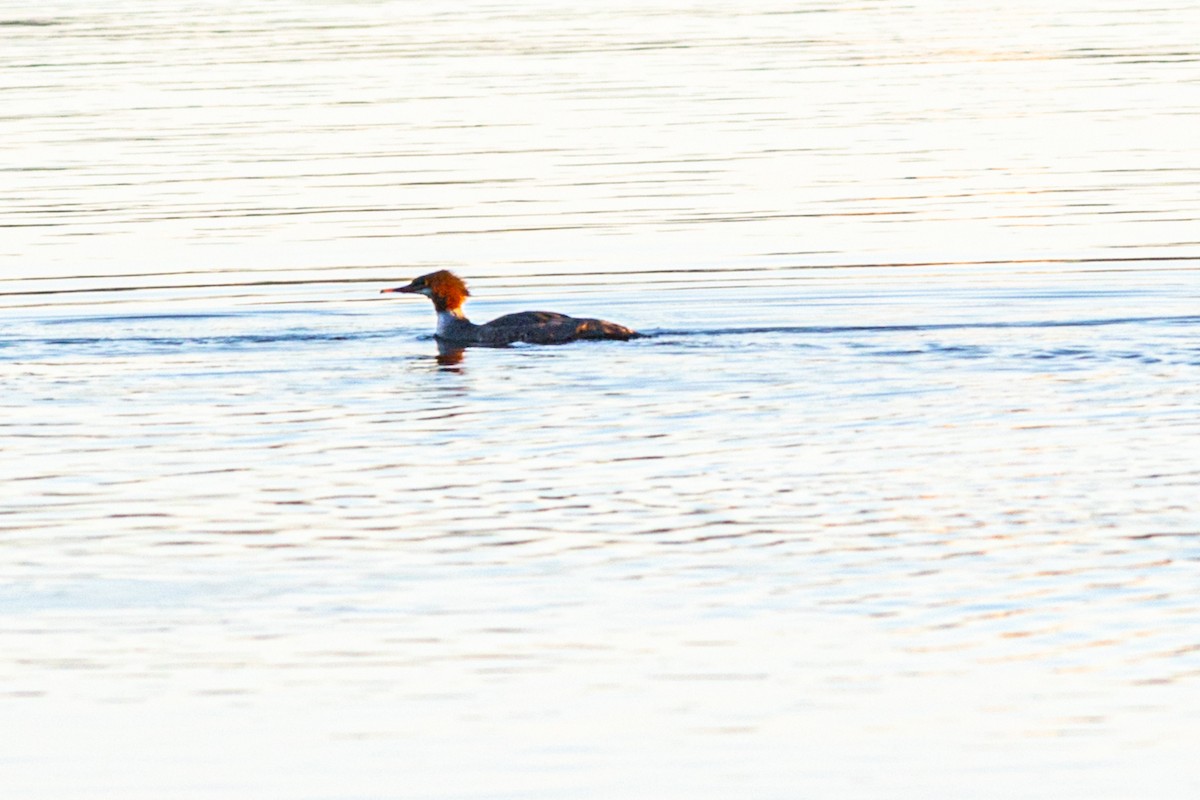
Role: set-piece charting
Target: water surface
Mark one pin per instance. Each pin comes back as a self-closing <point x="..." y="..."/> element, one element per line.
<point x="896" y="498"/>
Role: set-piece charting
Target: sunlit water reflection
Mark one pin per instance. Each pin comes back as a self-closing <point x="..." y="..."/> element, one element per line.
<point x="897" y="498"/>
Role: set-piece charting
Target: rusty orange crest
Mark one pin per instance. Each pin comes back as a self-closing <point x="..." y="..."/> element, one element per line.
<point x="446" y="289"/>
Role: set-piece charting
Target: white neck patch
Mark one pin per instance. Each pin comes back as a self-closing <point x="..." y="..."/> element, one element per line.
<point x="446" y="321"/>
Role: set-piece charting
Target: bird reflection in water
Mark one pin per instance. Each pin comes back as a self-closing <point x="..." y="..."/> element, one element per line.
<point x="449" y="353"/>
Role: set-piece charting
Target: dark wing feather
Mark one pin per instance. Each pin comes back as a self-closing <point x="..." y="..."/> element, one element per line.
<point x="526" y="319"/>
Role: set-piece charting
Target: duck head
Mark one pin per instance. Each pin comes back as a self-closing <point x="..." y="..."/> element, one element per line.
<point x="444" y="288"/>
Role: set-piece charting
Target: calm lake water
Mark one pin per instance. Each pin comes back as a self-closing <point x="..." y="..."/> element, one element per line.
<point x="900" y="497"/>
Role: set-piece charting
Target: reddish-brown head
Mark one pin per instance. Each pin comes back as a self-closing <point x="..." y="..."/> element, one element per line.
<point x="444" y="288"/>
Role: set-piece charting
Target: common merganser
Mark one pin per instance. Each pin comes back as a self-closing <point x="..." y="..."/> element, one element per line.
<point x="448" y="293"/>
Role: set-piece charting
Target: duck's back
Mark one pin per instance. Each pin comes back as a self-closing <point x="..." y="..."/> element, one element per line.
<point x="548" y="327"/>
<point x="526" y="319"/>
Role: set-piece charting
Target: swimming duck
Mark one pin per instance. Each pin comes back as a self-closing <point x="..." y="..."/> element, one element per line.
<point x="448" y="293"/>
